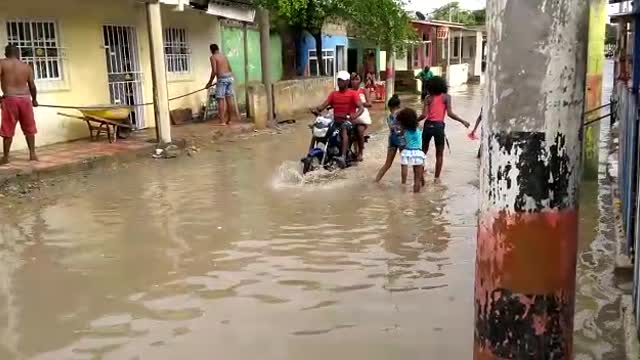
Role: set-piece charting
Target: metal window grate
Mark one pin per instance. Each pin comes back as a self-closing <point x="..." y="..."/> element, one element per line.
<point x="39" y="46"/>
<point x="177" y="51"/>
<point x="123" y="69"/>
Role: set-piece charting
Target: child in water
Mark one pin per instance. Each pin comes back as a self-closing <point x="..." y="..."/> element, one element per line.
<point x="412" y="155"/>
<point x="437" y="107"/>
<point x="396" y="136"/>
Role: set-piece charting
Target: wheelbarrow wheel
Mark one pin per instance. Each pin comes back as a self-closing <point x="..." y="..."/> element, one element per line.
<point x="123" y="133"/>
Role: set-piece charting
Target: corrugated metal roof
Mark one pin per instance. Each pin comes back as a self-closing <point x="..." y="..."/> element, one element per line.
<point x="439" y="23"/>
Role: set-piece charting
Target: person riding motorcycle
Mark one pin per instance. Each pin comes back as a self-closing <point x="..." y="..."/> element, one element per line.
<point x="346" y="105"/>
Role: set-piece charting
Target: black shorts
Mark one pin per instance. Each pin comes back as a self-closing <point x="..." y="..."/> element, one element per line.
<point x="435" y="130"/>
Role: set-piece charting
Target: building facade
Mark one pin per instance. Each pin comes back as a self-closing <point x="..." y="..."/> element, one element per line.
<point x="334" y="51"/>
<point x="450" y="49"/>
<point x="88" y="53"/>
<point x="626" y="111"/>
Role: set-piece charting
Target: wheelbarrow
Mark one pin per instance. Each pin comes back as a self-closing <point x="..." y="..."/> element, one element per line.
<point x="113" y="120"/>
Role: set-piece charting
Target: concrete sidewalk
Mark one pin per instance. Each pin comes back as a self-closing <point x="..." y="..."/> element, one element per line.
<point x="83" y="154"/>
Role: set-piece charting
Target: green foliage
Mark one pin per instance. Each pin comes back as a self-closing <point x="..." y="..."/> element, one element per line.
<point x="384" y="22"/>
<point x="452" y="11"/>
<point x="304" y="14"/>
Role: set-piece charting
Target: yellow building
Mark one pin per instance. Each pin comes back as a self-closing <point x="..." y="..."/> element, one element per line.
<point x="94" y="52"/>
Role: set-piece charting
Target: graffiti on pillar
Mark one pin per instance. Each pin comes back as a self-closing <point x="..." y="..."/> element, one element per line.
<point x="525" y="274"/>
<point x="517" y="326"/>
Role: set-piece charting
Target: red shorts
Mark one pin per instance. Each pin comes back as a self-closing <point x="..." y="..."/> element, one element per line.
<point x="17" y="109"/>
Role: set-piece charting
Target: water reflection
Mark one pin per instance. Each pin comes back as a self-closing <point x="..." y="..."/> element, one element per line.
<point x="217" y="256"/>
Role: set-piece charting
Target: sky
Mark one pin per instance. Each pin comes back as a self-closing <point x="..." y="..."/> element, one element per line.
<point x="426" y="6"/>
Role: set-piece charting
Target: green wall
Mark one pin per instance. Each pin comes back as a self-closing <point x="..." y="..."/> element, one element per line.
<point x="233" y="48"/>
<point x="276" y="58"/>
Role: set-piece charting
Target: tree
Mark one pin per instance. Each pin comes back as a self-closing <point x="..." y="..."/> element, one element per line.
<point x="479" y="17"/>
<point x="385" y="23"/>
<point x="453" y="12"/>
<point x="306" y="15"/>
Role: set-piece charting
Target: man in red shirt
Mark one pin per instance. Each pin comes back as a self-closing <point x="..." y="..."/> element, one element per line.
<point x="346" y="106"/>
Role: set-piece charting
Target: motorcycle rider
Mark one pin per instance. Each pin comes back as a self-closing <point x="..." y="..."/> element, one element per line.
<point x="347" y="106"/>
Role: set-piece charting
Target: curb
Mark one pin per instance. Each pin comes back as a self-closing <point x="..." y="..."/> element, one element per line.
<point x="631" y="343"/>
<point x="34" y="175"/>
<point x="623" y="264"/>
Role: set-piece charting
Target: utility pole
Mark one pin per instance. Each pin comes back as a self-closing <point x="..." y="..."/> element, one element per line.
<point x="158" y="73"/>
<point x="530" y="171"/>
<point x="265" y="54"/>
<point x="595" y="65"/>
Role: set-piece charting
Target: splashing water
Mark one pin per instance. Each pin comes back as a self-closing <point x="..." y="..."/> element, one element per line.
<point x="289" y="175"/>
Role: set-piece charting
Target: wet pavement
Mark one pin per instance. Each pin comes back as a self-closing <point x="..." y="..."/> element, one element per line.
<point x="232" y="255"/>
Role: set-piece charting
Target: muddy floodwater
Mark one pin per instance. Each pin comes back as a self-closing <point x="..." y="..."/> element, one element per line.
<point x="230" y="254"/>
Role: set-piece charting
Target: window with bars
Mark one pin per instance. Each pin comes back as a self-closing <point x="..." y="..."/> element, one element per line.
<point x="39" y="45"/>
<point x="328" y="59"/>
<point x="177" y="51"/>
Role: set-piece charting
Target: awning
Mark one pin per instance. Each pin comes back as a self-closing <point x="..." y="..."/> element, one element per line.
<point x="179" y="4"/>
<point x="239" y="10"/>
<point x="224" y="9"/>
<point x="625" y="16"/>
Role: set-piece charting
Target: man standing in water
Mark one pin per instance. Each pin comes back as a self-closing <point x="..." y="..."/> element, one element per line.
<point x="370" y="71"/>
<point x="225" y="95"/>
<point x="18" y="99"/>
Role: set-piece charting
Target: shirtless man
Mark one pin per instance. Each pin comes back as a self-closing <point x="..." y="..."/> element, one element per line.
<point x="370" y="71"/>
<point x="17" y="102"/>
<point x="221" y="69"/>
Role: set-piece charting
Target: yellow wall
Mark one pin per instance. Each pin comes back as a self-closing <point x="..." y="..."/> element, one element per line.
<point x="203" y="30"/>
<point x="85" y="71"/>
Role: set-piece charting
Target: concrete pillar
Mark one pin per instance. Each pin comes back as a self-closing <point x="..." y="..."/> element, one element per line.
<point x="598" y="19"/>
<point x="477" y="63"/>
<point x="265" y="54"/>
<point x="391" y="74"/>
<point x="460" y="49"/>
<point x="245" y="41"/>
<point x="158" y="73"/>
<point x="530" y="172"/>
<point x="449" y="34"/>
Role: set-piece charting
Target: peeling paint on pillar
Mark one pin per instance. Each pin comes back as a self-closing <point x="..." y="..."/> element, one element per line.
<point x="527" y="233"/>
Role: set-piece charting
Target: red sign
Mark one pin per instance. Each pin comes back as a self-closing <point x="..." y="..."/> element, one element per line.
<point x="442" y="33"/>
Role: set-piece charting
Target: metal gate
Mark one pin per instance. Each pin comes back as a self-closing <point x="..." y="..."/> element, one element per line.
<point x="123" y="70"/>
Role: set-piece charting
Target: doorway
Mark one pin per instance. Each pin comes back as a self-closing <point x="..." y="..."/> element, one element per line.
<point x="123" y="70"/>
<point x="352" y="60"/>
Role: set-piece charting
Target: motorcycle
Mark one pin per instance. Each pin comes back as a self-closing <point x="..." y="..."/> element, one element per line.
<point x="326" y="151"/>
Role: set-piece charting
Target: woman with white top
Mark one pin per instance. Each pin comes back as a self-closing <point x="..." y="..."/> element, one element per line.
<point x="363" y="122"/>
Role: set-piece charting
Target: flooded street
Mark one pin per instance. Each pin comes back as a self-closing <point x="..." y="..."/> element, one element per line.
<point x="231" y="255"/>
